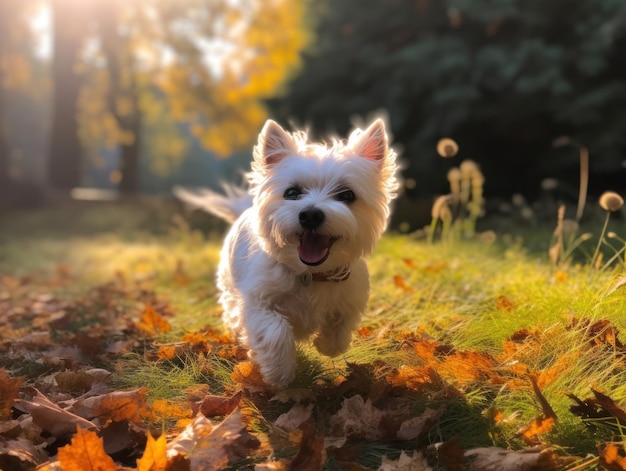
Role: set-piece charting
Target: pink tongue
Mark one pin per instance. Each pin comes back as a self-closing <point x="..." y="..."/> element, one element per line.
<point x="313" y="247"/>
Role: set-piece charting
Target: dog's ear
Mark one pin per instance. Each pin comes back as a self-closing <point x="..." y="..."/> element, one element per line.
<point x="371" y="143"/>
<point x="274" y="144"/>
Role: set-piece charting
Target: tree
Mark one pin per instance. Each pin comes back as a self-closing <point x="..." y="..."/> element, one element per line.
<point x="211" y="62"/>
<point x="70" y="21"/>
<point x="502" y="78"/>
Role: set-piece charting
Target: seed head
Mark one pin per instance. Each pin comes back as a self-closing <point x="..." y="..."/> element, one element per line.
<point x="447" y="147"/>
<point x="611" y="201"/>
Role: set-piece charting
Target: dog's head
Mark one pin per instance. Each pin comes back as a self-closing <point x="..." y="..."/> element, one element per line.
<point x="320" y="207"/>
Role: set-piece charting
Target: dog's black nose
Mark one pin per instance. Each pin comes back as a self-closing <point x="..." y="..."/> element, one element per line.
<point x="311" y="218"/>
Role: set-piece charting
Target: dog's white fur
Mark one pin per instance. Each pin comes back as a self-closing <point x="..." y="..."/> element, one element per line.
<point x="270" y="295"/>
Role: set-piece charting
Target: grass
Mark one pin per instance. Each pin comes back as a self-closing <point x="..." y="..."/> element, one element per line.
<point x="471" y="295"/>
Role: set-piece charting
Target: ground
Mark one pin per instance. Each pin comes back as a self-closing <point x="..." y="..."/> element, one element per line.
<point x="476" y="352"/>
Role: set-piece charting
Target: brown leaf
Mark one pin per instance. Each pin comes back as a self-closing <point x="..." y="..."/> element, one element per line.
<point x="498" y="459"/>
<point x="415" y="427"/>
<point x="414" y="462"/>
<point x="21" y="454"/>
<point x="357" y="417"/>
<point x="154" y="457"/>
<point x="85" y="453"/>
<point x="610" y="406"/>
<point x="311" y="456"/>
<point x="294" y="417"/>
<point x="9" y="387"/>
<point x="212" y="406"/>
<point x="51" y="418"/>
<point x="212" y="447"/>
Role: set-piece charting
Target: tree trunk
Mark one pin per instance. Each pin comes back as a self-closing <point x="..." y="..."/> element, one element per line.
<point x="123" y="88"/>
<point x="4" y="144"/>
<point x="65" y="153"/>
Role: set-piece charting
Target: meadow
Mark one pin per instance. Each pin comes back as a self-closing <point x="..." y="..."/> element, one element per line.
<point x="480" y="349"/>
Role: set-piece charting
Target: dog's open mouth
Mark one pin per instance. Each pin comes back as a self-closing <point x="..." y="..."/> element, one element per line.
<point x="314" y="248"/>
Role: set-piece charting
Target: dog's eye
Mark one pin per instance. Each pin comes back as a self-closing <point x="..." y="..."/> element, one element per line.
<point x="292" y="193"/>
<point x="346" y="196"/>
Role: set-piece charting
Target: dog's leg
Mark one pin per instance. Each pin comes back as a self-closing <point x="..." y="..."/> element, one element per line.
<point x="272" y="345"/>
<point x="336" y="333"/>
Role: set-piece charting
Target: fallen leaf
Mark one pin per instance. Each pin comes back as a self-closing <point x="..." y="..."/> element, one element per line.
<point x="115" y="406"/>
<point x="51" y="418"/>
<point x="400" y="283"/>
<point x="612" y="457"/>
<point x="311" y="456"/>
<point x="9" y="387"/>
<point x="413" y="462"/>
<point x="499" y="459"/>
<point x="294" y="417"/>
<point x="357" y="417"/>
<point x="538" y="426"/>
<point x="212" y="447"/>
<point x="154" y="457"/>
<point x="415" y="427"/>
<point x="504" y="304"/>
<point x="85" y="453"/>
<point x="248" y="374"/>
<point x="21" y="454"/>
<point x="152" y="323"/>
<point x="212" y="406"/>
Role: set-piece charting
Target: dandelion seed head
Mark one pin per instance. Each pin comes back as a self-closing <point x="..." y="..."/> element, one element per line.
<point x="611" y="201"/>
<point x="447" y="147"/>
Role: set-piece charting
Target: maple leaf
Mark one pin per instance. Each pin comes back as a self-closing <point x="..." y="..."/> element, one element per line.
<point x="357" y="417"/>
<point x="85" y="453"/>
<point x="154" y="457"/>
<point x="504" y="304"/>
<point x="9" y="387"/>
<point x="210" y="447"/>
<point x="152" y="323"/>
<point x="115" y="406"/>
<point x="538" y="426"/>
<point x="415" y="427"/>
<point x="414" y="462"/>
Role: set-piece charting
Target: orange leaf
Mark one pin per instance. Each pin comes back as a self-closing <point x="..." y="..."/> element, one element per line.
<point x="611" y="459"/>
<point x="399" y="282"/>
<point x="504" y="304"/>
<point x="248" y="373"/>
<point x="165" y="409"/>
<point x="9" y="387"/>
<point x="409" y="262"/>
<point x="166" y="352"/>
<point x="365" y="331"/>
<point x="122" y="405"/>
<point x="154" y="457"/>
<point x="85" y="453"/>
<point x="152" y="323"/>
<point x="537" y="426"/>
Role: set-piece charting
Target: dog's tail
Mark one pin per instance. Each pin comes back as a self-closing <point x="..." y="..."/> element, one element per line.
<point x="227" y="206"/>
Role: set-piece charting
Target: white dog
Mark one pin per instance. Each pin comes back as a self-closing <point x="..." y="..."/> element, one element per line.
<point x="293" y="263"/>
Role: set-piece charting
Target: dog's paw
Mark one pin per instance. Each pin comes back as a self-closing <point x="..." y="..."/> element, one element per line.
<point x="331" y="345"/>
<point x="278" y="376"/>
